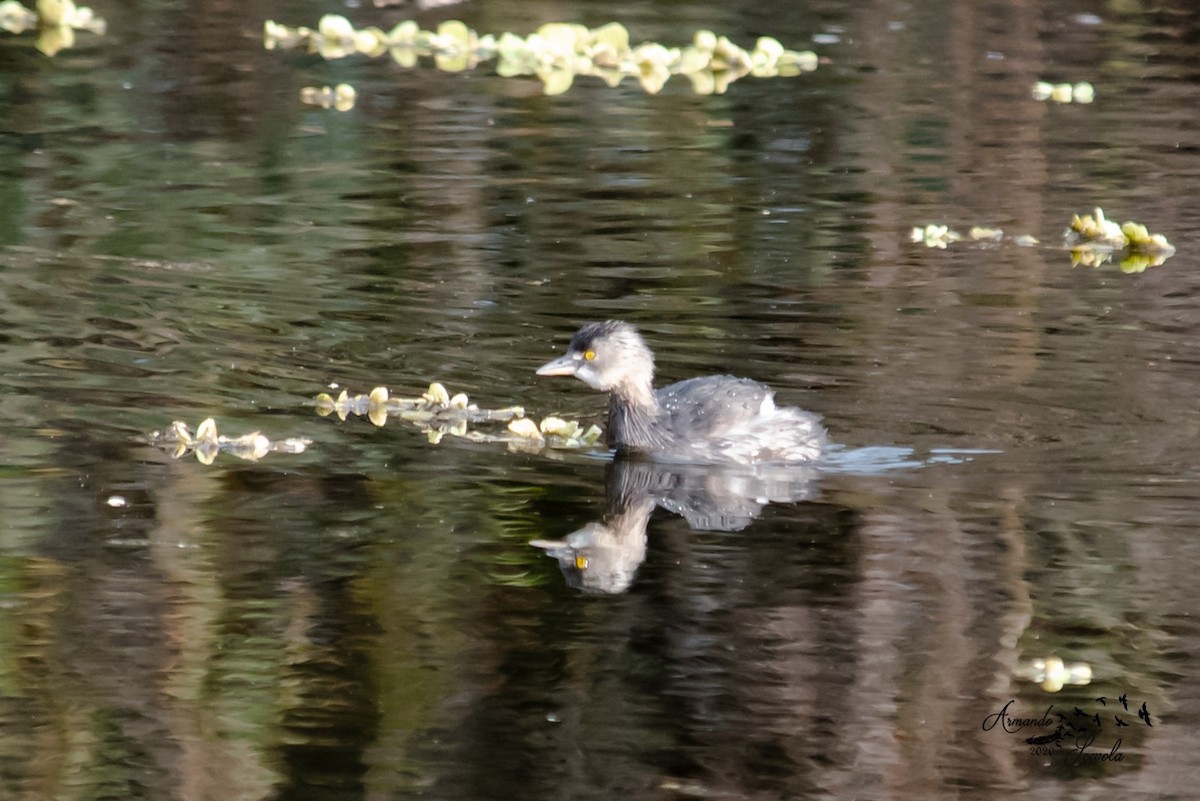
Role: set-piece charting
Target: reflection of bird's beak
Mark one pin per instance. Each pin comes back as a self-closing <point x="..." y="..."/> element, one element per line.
<point x="563" y="365"/>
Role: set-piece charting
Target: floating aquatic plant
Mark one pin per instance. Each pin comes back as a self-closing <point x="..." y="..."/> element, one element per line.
<point x="1053" y="674"/>
<point x="206" y="443"/>
<point x="1082" y="92"/>
<point x="339" y="98"/>
<point x="556" y="53"/>
<point x="939" y="236"/>
<point x="436" y="413"/>
<point x="16" y="18"/>
<point x="934" y="235"/>
<point x="434" y="407"/>
<point x="555" y="432"/>
<point x="1092" y="240"/>
<point x="55" y="21"/>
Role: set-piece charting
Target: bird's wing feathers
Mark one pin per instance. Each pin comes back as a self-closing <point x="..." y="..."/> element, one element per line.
<point x="703" y="408"/>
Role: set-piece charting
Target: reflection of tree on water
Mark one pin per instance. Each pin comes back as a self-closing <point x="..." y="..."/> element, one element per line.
<point x="604" y="556"/>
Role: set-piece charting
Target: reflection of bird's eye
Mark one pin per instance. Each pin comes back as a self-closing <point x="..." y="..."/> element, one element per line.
<point x="581" y="562"/>
<point x="589" y="355"/>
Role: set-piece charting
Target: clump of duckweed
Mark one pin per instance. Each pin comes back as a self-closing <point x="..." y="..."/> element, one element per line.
<point x="556" y="53"/>
<point x="1096" y="229"/>
<point x="1053" y="674"/>
<point x="554" y="432"/>
<point x="339" y="98"/>
<point x="16" y="18"/>
<point x="436" y="413"/>
<point x="206" y="443"/>
<point x="940" y="236"/>
<point x="1082" y="92"/>
<point x="1092" y="240"/>
<point x="55" y="21"/>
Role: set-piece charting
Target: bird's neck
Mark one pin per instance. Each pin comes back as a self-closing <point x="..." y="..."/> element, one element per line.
<point x="634" y="418"/>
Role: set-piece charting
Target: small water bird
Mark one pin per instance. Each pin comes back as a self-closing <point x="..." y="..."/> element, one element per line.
<point x="714" y="419"/>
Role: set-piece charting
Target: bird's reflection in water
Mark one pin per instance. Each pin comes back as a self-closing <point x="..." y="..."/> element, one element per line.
<point x="603" y="557"/>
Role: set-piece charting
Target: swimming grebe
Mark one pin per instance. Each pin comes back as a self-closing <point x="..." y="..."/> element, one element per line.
<point x="713" y="419"/>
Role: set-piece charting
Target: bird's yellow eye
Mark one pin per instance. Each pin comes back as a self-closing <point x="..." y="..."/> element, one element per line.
<point x="581" y="562"/>
<point x="589" y="355"/>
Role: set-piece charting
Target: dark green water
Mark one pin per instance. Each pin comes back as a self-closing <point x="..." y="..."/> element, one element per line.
<point x="181" y="239"/>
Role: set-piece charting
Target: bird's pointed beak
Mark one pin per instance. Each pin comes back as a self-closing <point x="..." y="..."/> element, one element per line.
<point x="566" y="364"/>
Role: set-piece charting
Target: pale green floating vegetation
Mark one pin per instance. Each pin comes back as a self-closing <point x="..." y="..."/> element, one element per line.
<point x="940" y="236"/>
<point x="54" y="20"/>
<point x="934" y="235"/>
<point x="1091" y="239"/>
<point x="206" y="443"/>
<point x="340" y="98"/>
<point x="1053" y="674"/>
<point x="436" y="413"/>
<point x="1082" y="92"/>
<point x="556" y="53"/>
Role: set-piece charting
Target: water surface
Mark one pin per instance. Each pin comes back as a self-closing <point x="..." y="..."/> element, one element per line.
<point x="181" y="239"/>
